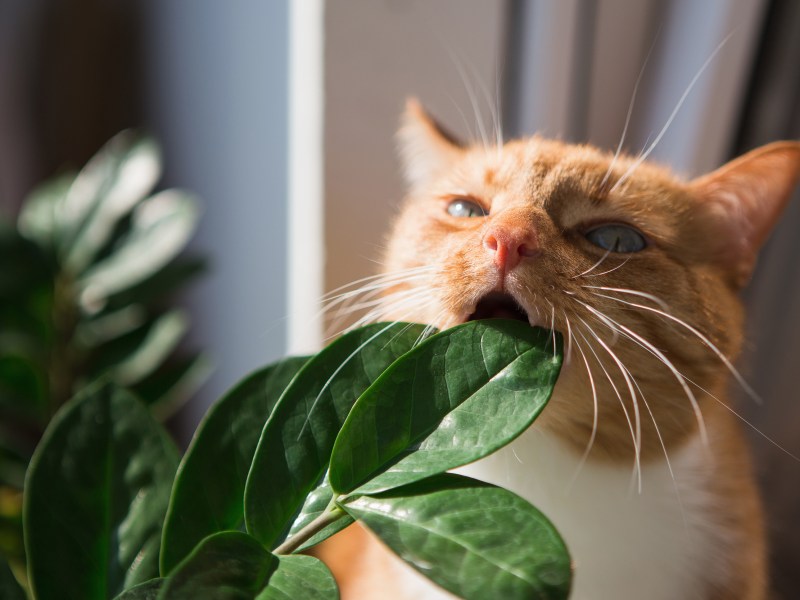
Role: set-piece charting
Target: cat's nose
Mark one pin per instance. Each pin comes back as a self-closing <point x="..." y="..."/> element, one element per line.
<point x="509" y="245"/>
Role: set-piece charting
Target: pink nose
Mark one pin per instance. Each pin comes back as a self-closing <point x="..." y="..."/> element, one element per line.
<point x="509" y="244"/>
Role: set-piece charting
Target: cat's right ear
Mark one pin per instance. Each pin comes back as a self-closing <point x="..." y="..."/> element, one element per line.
<point x="426" y="148"/>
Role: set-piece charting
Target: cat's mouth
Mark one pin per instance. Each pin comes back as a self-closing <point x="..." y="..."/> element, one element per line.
<point x="497" y="305"/>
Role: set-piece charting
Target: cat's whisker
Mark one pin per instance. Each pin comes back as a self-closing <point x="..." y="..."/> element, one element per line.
<point x="590" y="443"/>
<point x="740" y="380"/>
<point x="619" y="266"/>
<point x="380" y="277"/>
<point x="630" y="112"/>
<point x="471" y="96"/>
<point x="650" y="297"/>
<point x="568" y="353"/>
<point x="637" y="436"/>
<point x="594" y="266"/>
<point x="636" y="338"/>
<point x="635" y="164"/>
<point x="553" y="327"/>
<point x="416" y="303"/>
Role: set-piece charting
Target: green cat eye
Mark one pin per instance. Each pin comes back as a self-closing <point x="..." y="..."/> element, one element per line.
<point x="617" y="238"/>
<point x="465" y="208"/>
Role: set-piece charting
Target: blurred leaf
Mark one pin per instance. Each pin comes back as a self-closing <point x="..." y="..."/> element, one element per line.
<point x="176" y="381"/>
<point x="132" y="357"/>
<point x="292" y="455"/>
<point x="225" y="566"/>
<point x="12" y="465"/>
<point x="208" y="493"/>
<point x="108" y="326"/>
<point x="95" y="497"/>
<point x="144" y="591"/>
<point x="23" y="386"/>
<point x="300" y="577"/>
<point x="22" y="266"/>
<point x="11" y="541"/>
<point x="39" y="217"/>
<point x="107" y="189"/>
<point x="161" y="227"/>
<point x="161" y="283"/>
<point x="475" y="540"/>
<point x="9" y="588"/>
<point x="457" y="397"/>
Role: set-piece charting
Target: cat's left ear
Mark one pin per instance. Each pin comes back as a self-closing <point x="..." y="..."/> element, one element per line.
<point x="745" y="198"/>
<point x="426" y="148"/>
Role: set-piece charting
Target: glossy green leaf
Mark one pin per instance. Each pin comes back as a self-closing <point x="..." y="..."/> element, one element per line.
<point x="315" y="504"/>
<point x="144" y="591"/>
<point x="230" y="565"/>
<point x="95" y="497"/>
<point x="209" y="488"/>
<point x="300" y="577"/>
<point x="292" y="454"/>
<point x="455" y="398"/>
<point x="475" y="540"/>
<point x="107" y="189"/>
<point x="161" y="226"/>
<point x="9" y="588"/>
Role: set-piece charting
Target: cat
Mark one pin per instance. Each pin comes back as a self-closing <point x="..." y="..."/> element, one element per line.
<point x="638" y="459"/>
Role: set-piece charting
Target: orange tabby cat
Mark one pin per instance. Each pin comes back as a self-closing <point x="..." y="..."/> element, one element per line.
<point x="638" y="459"/>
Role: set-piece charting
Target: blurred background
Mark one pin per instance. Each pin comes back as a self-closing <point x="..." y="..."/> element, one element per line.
<point x="280" y="115"/>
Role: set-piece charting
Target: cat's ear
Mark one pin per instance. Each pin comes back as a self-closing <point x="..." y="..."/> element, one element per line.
<point x="744" y="199"/>
<point x="426" y="148"/>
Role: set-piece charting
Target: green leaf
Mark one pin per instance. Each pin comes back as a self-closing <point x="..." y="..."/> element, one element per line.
<point x="95" y="497"/>
<point x="134" y="356"/>
<point x="295" y="445"/>
<point x="107" y="189"/>
<point x="39" y="217"/>
<point x="167" y="389"/>
<point x="229" y="565"/>
<point x="161" y="283"/>
<point x="107" y="326"/>
<point x="300" y="577"/>
<point x="9" y="588"/>
<point x="144" y="591"/>
<point x="315" y="504"/>
<point x="475" y="540"/>
<point x="23" y="386"/>
<point x="160" y="228"/>
<point x="455" y="398"/>
<point x="209" y="488"/>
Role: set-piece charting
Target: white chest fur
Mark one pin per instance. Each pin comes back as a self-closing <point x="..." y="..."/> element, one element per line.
<point x="660" y="543"/>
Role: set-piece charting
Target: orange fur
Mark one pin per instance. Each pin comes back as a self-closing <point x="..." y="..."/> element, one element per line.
<point x="702" y="239"/>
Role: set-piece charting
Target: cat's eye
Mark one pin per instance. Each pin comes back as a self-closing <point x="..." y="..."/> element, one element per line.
<point x="617" y="238"/>
<point x="461" y="207"/>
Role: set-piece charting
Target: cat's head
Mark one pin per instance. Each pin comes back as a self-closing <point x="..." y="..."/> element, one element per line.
<point x="638" y="269"/>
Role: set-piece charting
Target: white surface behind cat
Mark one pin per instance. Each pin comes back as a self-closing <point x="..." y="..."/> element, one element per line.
<point x="665" y="535"/>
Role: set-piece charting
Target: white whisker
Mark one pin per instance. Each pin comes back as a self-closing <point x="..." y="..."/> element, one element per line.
<point x="650" y="297"/>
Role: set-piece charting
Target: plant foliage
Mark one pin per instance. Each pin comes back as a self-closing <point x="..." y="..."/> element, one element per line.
<point x="364" y="431"/>
<point x="84" y="278"/>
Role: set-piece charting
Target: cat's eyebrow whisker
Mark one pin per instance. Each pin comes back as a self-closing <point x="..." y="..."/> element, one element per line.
<point x="637" y="436"/>
<point x="650" y="297"/>
<point x="638" y="339"/>
<point x="630" y="112"/>
<point x="594" y="266"/>
<point x="619" y="266"/>
<point x="745" y="386"/>
<point x="635" y="164"/>
<point x="473" y="99"/>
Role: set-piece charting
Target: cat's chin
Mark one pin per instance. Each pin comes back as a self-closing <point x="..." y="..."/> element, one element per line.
<point x="500" y="305"/>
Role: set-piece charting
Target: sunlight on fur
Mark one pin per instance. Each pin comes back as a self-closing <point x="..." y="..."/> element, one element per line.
<point x="638" y="458"/>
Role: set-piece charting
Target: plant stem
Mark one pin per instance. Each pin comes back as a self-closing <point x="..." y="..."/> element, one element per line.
<point x="331" y="514"/>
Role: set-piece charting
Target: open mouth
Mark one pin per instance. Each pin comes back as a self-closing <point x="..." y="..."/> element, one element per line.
<point x="497" y="305"/>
